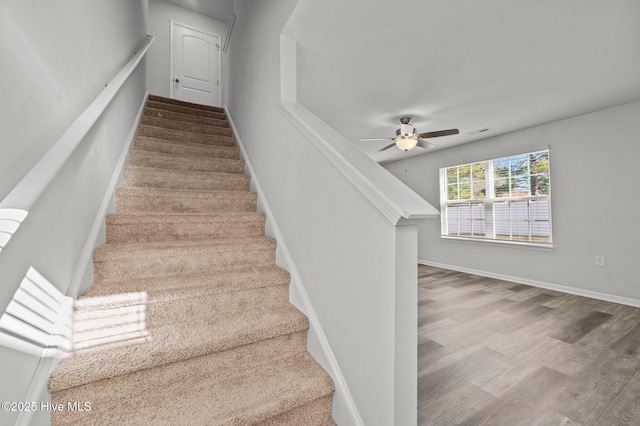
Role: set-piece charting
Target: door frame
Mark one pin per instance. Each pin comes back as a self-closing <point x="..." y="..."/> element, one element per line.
<point x="173" y="23"/>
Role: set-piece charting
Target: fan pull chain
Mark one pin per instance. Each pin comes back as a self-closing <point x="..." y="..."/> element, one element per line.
<point x="406" y="161"/>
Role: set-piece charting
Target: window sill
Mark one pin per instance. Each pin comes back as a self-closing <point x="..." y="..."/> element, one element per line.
<point x="501" y="243"/>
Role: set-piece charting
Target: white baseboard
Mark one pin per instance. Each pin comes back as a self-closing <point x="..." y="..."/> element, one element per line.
<point x="46" y="364"/>
<point x="87" y="253"/>
<point x="343" y="400"/>
<point x="541" y="284"/>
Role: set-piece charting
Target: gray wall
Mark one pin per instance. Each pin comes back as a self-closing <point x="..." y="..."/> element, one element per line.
<point x="159" y="65"/>
<point x="57" y="57"/>
<point x="594" y="163"/>
<point x="342" y="246"/>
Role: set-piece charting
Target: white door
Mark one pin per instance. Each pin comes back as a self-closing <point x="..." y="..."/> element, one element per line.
<point x="195" y="75"/>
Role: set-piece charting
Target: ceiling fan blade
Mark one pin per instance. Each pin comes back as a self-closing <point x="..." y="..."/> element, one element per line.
<point x="438" y="133"/>
<point x="387" y="147"/>
<point x="424" y="144"/>
<point x="377" y="139"/>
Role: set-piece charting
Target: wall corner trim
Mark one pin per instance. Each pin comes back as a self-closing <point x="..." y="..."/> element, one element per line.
<point x="288" y="72"/>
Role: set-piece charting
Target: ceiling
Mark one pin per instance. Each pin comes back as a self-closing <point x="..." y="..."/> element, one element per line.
<point x="217" y="9"/>
<point x="501" y="64"/>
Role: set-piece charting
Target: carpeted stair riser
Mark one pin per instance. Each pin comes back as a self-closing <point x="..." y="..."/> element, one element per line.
<point x="251" y="396"/>
<point x="187" y="127"/>
<point x="168" y="115"/>
<point x="153" y="347"/>
<point x="117" y="262"/>
<point x="314" y="413"/>
<point x="171" y="310"/>
<point x="192" y="106"/>
<point x="160" y="200"/>
<point x="186" y="110"/>
<point x="187" y="163"/>
<point x="226" y="362"/>
<point x="186" y="137"/>
<point x="143" y="143"/>
<point x="205" y="283"/>
<point x="257" y="352"/>
<point x="116" y="295"/>
<point x="178" y="179"/>
<point x="179" y="227"/>
<point x="120" y="312"/>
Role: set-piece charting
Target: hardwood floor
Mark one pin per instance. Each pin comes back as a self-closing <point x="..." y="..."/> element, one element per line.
<point x="492" y="352"/>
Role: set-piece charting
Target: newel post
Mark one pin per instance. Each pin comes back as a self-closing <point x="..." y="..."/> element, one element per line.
<point x="406" y="323"/>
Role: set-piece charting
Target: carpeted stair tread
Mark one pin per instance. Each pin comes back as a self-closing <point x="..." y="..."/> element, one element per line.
<point x="314" y="413"/>
<point x="222" y="363"/>
<point x="105" y="316"/>
<point x="145" y="143"/>
<point x="121" y="261"/>
<point x="113" y="250"/>
<point x="185" y="136"/>
<point x="93" y="360"/>
<point x="171" y="101"/>
<point x="186" y="110"/>
<point x="187" y="118"/>
<point x="131" y="218"/>
<point x="160" y="160"/>
<point x="184" y="179"/>
<point x="188" y="127"/>
<point x="138" y="199"/>
<point x="253" y="396"/>
<point x="204" y="283"/>
<point x="184" y="287"/>
<point x="139" y="227"/>
<point x="162" y="192"/>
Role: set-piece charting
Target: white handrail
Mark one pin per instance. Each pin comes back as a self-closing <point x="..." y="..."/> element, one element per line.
<point x="396" y="201"/>
<point x="32" y="185"/>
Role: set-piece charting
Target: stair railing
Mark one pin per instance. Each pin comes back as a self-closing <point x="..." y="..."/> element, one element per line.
<point x="47" y="334"/>
<point x="15" y="207"/>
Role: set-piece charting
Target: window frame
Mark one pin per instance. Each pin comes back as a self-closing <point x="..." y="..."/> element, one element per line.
<point x="489" y="200"/>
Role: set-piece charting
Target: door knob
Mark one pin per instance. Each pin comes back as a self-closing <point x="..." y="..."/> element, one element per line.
<point x="177" y="81"/>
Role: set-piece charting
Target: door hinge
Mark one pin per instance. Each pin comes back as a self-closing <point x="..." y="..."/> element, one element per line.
<point x="218" y="46"/>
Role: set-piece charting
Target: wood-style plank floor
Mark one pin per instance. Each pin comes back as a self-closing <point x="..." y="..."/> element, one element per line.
<point x="493" y="352"/>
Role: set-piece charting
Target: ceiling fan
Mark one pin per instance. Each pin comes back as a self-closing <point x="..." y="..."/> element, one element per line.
<point x="406" y="138"/>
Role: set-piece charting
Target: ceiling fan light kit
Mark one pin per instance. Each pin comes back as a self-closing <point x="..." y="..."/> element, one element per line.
<point x="406" y="138"/>
<point x="406" y="144"/>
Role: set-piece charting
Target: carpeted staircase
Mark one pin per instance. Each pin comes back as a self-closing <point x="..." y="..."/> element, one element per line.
<point x="188" y="322"/>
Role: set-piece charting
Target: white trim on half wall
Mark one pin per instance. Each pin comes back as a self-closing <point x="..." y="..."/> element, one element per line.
<point x="343" y="400"/>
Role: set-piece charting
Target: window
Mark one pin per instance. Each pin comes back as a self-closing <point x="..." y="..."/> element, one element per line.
<point x="503" y="199"/>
